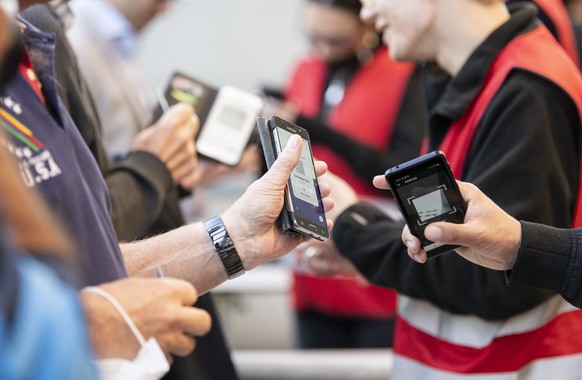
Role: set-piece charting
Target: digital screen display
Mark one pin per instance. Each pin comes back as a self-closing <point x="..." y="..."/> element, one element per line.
<point x="427" y="195"/>
<point x="303" y="184"/>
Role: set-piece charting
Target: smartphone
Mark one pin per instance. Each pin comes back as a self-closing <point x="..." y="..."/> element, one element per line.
<point x="425" y="192"/>
<point x="303" y="204"/>
<point x="229" y="125"/>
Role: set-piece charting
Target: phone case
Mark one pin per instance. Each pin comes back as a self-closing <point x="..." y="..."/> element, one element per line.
<point x="270" y="157"/>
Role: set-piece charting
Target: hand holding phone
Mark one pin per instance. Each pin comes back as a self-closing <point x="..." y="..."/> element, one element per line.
<point x="303" y="211"/>
<point x="425" y="192"/>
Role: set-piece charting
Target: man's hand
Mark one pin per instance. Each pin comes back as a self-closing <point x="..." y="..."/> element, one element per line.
<point x="171" y="139"/>
<point x="489" y="237"/>
<point x="160" y="308"/>
<point x="323" y="259"/>
<point x="252" y="220"/>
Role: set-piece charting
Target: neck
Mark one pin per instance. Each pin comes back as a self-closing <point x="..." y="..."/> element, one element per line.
<point x="464" y="29"/>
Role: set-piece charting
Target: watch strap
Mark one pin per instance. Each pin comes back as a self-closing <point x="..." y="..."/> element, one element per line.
<point x="224" y="247"/>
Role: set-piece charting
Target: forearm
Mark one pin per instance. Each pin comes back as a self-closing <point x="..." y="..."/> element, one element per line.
<point x="448" y="281"/>
<point x="186" y="253"/>
<point x="189" y="254"/>
<point x="550" y="258"/>
<point x="138" y="186"/>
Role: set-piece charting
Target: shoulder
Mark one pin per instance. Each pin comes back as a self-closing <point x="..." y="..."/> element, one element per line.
<point x="526" y="91"/>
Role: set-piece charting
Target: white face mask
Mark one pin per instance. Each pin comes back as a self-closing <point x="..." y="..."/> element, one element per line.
<point x="149" y="364"/>
<point x="10" y="7"/>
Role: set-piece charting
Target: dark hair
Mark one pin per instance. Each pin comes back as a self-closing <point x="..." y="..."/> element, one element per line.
<point x="350" y="5"/>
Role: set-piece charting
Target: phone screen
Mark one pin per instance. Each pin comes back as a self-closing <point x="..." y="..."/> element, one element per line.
<point x="426" y="192"/>
<point x="304" y="198"/>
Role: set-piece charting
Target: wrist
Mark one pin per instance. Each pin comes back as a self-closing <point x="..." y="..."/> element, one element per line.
<point x="225" y="247"/>
<point x="242" y="239"/>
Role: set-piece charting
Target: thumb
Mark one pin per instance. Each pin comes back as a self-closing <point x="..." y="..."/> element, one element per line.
<point x="447" y="233"/>
<point x="286" y="162"/>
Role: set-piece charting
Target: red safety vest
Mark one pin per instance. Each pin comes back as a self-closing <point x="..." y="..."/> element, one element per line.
<point x="542" y="343"/>
<point x="367" y="113"/>
<point x="556" y="11"/>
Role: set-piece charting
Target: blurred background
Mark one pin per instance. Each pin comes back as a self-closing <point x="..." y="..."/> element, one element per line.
<point x="258" y="42"/>
<point x="252" y="44"/>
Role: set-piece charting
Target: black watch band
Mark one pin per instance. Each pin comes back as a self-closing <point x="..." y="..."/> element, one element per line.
<point x="224" y="247"/>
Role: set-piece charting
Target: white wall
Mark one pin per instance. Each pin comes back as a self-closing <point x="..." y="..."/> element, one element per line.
<point x="245" y="43"/>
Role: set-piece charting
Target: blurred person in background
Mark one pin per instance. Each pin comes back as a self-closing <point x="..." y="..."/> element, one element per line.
<point x="54" y="159"/>
<point x="507" y="116"/>
<point x="364" y="113"/>
<point x="554" y="15"/>
<point x="42" y="326"/>
<point x="105" y="35"/>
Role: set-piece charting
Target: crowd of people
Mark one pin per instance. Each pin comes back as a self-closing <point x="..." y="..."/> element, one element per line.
<point x="101" y="277"/>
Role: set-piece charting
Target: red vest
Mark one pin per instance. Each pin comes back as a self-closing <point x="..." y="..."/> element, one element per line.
<point x="546" y="340"/>
<point x="556" y="11"/>
<point x="367" y="113"/>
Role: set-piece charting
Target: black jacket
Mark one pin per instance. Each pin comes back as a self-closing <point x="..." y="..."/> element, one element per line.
<point x="525" y="157"/>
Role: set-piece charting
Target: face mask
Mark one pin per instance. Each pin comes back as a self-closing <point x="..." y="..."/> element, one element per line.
<point x="149" y="364"/>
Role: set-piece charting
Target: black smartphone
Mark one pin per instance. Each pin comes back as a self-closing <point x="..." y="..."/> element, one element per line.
<point x="426" y="191"/>
<point x="303" y="204"/>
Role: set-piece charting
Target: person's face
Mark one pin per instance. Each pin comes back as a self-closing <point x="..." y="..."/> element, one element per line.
<point x="334" y="33"/>
<point x="406" y="26"/>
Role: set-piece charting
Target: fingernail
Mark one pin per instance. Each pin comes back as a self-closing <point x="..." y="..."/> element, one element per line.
<point x="417" y="258"/>
<point x="409" y="245"/>
<point x="433" y="233"/>
<point x="293" y="142"/>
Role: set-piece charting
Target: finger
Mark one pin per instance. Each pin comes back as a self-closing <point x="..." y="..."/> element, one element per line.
<point x="419" y="256"/>
<point x="183" y="172"/>
<point x="447" y="233"/>
<point x="181" y="139"/>
<point x="328" y="204"/>
<point x="329" y="224"/>
<point x="182" y="290"/>
<point x="320" y="168"/>
<point x="379" y="182"/>
<point x="187" y="155"/>
<point x="324" y="189"/>
<point x="194" y="321"/>
<point x="181" y="344"/>
<point x="285" y="163"/>
<point x="178" y="114"/>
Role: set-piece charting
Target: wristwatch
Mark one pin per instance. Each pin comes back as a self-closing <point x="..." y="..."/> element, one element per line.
<point x="224" y="247"/>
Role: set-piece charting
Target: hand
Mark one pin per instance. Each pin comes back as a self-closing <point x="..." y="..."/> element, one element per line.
<point x="323" y="259"/>
<point x="160" y="308"/>
<point x="489" y="237"/>
<point x="343" y="194"/>
<point x="171" y="139"/>
<point x="252" y="219"/>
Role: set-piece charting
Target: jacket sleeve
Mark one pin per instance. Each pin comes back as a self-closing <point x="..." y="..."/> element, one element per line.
<point x="550" y="258"/>
<point x="139" y="184"/>
<point x="366" y="161"/>
<point x="516" y="141"/>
